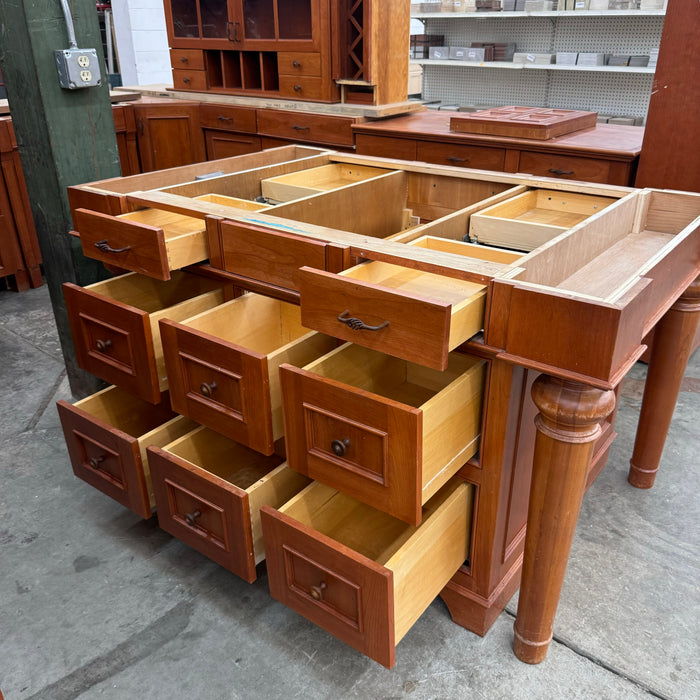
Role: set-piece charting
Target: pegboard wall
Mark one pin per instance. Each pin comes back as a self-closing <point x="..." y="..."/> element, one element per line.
<point x="614" y="93"/>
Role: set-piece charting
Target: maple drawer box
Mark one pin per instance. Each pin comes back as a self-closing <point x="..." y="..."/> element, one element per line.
<point x="358" y="573"/>
<point x="415" y="315"/>
<point x="385" y="431"/>
<point x="149" y="241"/>
<point x="285" y="188"/>
<point x="223" y="365"/>
<point x="115" y="329"/>
<point x="208" y="493"/>
<point x="109" y="196"/>
<point x="107" y="435"/>
<point x="529" y="220"/>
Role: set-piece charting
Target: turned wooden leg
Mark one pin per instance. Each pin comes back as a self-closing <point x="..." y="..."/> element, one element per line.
<point x="568" y="426"/>
<point x="673" y="341"/>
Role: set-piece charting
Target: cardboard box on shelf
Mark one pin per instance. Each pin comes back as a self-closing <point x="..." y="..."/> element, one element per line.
<point x="566" y="58"/>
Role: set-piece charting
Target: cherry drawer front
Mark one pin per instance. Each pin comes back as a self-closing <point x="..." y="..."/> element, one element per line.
<point x="274" y="257"/>
<point x="461" y="156"/>
<point x="149" y="241"/>
<point x="190" y="80"/>
<point x="418" y="316"/>
<point x="564" y="167"/>
<point x="385" y="431"/>
<point x="213" y="116"/>
<point x="208" y="493"/>
<point x="223" y="365"/>
<point x="189" y="59"/>
<point x="386" y="147"/>
<point x="115" y="330"/>
<point x="107" y="435"/>
<point x="299" y="126"/>
<point x="302" y="88"/>
<point x="358" y="573"/>
<point x="299" y="64"/>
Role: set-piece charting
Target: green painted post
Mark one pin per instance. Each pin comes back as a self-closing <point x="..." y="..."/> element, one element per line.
<point x="65" y="137"/>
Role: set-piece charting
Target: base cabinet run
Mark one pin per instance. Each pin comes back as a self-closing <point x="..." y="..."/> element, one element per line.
<point x="374" y="463"/>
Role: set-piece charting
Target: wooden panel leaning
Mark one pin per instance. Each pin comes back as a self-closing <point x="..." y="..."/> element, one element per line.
<point x="358" y="573"/>
<point x="115" y="329"/>
<point x="223" y="365"/>
<point x="387" y="432"/>
<point x="209" y="491"/>
<point x="107" y="435"/>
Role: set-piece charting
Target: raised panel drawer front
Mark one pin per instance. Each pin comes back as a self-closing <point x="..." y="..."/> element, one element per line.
<point x="564" y="167"/>
<point x="223" y="365"/>
<point x="418" y="316"/>
<point x="115" y="329"/>
<point x="385" y="431"/>
<point x="228" y="118"/>
<point x="149" y="241"/>
<point x="269" y="256"/>
<point x="358" y="573"/>
<point x="461" y="156"/>
<point x="299" y="126"/>
<point x="208" y="493"/>
<point x="107" y="435"/>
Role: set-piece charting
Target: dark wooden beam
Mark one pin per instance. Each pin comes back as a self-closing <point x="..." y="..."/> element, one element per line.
<point x="65" y="137"/>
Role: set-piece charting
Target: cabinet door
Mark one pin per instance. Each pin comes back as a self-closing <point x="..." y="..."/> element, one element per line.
<point x="223" y="144"/>
<point x="10" y="256"/>
<point x="202" y="24"/>
<point x="169" y="135"/>
<point x="281" y="25"/>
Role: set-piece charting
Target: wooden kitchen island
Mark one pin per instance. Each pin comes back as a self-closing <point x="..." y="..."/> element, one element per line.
<point x="442" y="402"/>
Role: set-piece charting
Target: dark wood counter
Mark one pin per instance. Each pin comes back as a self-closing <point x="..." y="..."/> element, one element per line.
<point x="607" y="153"/>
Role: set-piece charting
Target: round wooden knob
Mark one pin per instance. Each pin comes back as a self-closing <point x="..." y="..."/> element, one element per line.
<point x="191" y="517"/>
<point x="317" y="591"/>
<point x="340" y="447"/>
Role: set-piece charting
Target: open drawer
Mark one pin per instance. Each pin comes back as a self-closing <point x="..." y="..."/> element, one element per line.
<point x="358" y="573"/>
<point x="415" y="315"/>
<point x="532" y="218"/>
<point x="617" y="273"/>
<point x="107" y="435"/>
<point x="149" y="241"/>
<point x="208" y="493"/>
<point x="285" y="188"/>
<point x="115" y="325"/>
<point x="385" y="431"/>
<point x="223" y="365"/>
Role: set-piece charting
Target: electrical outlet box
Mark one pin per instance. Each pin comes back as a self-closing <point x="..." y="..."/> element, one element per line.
<point x="77" y="68"/>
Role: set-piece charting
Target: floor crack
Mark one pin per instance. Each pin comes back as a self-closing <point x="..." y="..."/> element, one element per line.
<point x="45" y="402"/>
<point x="602" y="664"/>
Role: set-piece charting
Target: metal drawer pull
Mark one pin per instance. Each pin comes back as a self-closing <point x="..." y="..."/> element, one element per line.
<point x="455" y="159"/>
<point x="557" y="171"/>
<point x="296" y="64"/>
<point x="357" y="324"/>
<point x="191" y="517"/>
<point x="184" y="59"/>
<point x="102" y="345"/>
<point x="297" y="88"/>
<point x="107" y="248"/>
<point x="340" y="447"/>
<point x="300" y="128"/>
<point x="221" y="118"/>
<point x="187" y="80"/>
<point x="207" y="389"/>
<point x="317" y="591"/>
<point x="94" y="462"/>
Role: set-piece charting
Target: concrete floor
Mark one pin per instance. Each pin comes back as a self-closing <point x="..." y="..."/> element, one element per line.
<point x="96" y="603"/>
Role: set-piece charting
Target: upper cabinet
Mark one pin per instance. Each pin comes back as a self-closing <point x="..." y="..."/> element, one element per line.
<point x="298" y="49"/>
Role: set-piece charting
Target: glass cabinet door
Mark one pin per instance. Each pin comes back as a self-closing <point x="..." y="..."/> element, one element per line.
<point x="261" y="22"/>
<point x="200" y="19"/>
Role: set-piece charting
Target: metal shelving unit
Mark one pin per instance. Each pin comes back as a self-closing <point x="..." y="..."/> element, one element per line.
<point x="617" y="90"/>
